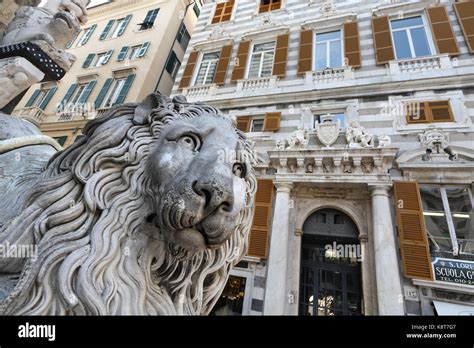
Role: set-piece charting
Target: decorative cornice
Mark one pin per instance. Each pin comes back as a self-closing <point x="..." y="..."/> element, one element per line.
<point x="324" y="22"/>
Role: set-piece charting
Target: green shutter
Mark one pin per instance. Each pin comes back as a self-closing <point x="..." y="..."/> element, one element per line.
<point x="86" y="93"/>
<point x="68" y="96"/>
<point x="47" y="98"/>
<point x="88" y="34"/>
<point x="32" y="99"/>
<point x="122" y="54"/>
<point x="69" y="44"/>
<point x="88" y="61"/>
<point x="106" y="30"/>
<point x="143" y="49"/>
<point x="102" y="93"/>
<point x="107" y="58"/>
<point x="125" y="89"/>
<point x="151" y="16"/>
<point x="124" y="25"/>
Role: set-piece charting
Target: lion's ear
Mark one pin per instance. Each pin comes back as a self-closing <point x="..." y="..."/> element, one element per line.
<point x="152" y="101"/>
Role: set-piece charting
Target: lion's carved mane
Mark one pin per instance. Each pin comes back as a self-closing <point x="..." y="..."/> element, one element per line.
<point x="94" y="253"/>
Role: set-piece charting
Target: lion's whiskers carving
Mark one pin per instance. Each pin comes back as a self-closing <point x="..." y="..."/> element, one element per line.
<point x="98" y="254"/>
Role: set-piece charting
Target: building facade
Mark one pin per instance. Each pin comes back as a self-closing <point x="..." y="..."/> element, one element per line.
<point x="361" y="114"/>
<point x="127" y="50"/>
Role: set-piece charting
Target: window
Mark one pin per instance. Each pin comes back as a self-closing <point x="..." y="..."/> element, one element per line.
<point x="61" y="140"/>
<point x="183" y="36"/>
<point x="149" y="20"/>
<point x="269" y="5"/>
<point x="449" y="219"/>
<point x="172" y="65"/>
<point x="257" y="124"/>
<point x="79" y="92"/>
<point x="196" y="9"/>
<point x="428" y="112"/>
<point x="118" y="28"/>
<point x="339" y="116"/>
<point x="409" y="38"/>
<point x="41" y="97"/>
<point x="207" y="69"/>
<point x="328" y="50"/>
<point x="115" y="92"/>
<point x="86" y="36"/>
<point x="134" y="52"/>
<point x="261" y="63"/>
<point x="102" y="59"/>
<point x="223" y="12"/>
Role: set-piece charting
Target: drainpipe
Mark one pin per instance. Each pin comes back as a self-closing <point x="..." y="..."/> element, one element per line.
<point x="174" y="41"/>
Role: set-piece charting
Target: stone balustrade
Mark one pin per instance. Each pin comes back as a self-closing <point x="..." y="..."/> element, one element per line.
<point x="257" y="84"/>
<point x="420" y="64"/>
<point x="32" y="113"/>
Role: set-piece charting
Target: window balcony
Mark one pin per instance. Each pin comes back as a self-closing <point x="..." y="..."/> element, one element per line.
<point x="255" y="84"/>
<point x="420" y="64"/>
<point x="329" y="75"/>
<point x="200" y="90"/>
<point x="33" y="113"/>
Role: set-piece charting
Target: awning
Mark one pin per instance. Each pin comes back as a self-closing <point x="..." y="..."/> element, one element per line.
<point x="446" y="308"/>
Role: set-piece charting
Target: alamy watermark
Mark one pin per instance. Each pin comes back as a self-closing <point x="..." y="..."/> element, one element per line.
<point x="348" y="251"/>
<point x="8" y="250"/>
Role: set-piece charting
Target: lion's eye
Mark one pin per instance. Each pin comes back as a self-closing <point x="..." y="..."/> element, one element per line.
<point x="190" y="142"/>
<point x="239" y="170"/>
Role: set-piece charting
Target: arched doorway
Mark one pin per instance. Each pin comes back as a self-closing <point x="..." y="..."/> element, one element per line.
<point x="330" y="273"/>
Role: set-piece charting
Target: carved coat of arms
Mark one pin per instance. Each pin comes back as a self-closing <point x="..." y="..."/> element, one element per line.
<point x="327" y="131"/>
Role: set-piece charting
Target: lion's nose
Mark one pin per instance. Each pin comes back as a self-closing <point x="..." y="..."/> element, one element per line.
<point x="216" y="195"/>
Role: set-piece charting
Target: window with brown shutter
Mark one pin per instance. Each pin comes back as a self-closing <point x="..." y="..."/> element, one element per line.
<point x="241" y="61"/>
<point x="258" y="243"/>
<point x="243" y="123"/>
<point x="442" y="30"/>
<point x="189" y="70"/>
<point x="382" y="40"/>
<point x="351" y="44"/>
<point x="272" y="121"/>
<point x="223" y="12"/>
<point x="269" y="5"/>
<point x="222" y="66"/>
<point x="465" y="14"/>
<point x="305" y="60"/>
<point x="281" y="55"/>
<point x="428" y="112"/>
<point x="412" y="231"/>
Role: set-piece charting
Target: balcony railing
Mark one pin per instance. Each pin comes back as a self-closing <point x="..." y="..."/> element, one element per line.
<point x="33" y="113"/>
<point x="200" y="90"/>
<point x="257" y="84"/>
<point x="420" y="64"/>
<point x="329" y="75"/>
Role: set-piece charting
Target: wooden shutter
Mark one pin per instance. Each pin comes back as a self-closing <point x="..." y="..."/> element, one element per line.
<point x="281" y="55"/>
<point x="429" y="112"/>
<point x="143" y="49"/>
<point x="223" y="65"/>
<point x="352" y="44"/>
<point x="87" y="92"/>
<point x="442" y="30"/>
<point x="258" y="243"/>
<point x="241" y="63"/>
<point x="272" y="121"/>
<point x="305" y="60"/>
<point x="440" y="111"/>
<point x="223" y="12"/>
<point x="412" y="231"/>
<point x="382" y="40"/>
<point x="107" y="57"/>
<point x="189" y="70"/>
<point x="102" y="93"/>
<point x="465" y="13"/>
<point x="243" y="123"/>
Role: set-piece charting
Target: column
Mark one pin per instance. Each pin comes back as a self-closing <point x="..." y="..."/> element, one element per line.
<point x="275" y="291"/>
<point x="389" y="289"/>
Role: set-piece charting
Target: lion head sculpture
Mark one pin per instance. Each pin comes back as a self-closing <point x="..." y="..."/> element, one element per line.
<point x="142" y="215"/>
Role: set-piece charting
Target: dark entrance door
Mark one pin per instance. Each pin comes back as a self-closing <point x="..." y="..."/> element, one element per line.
<point x="330" y="266"/>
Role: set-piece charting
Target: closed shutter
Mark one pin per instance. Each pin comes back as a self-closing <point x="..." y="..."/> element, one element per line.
<point x="122" y="54"/>
<point x="442" y="30"/>
<point x="143" y="49"/>
<point x="223" y="65"/>
<point x="107" y="57"/>
<point x="87" y="92"/>
<point x="44" y="103"/>
<point x="106" y="30"/>
<point x="281" y="55"/>
<point x="382" y="40"/>
<point x="67" y="97"/>
<point x="465" y="14"/>
<point x="352" y="44"/>
<point x="305" y="59"/>
<point x="223" y="12"/>
<point x="88" y="61"/>
<point x="32" y="99"/>
<point x="429" y="112"/>
<point x="103" y="93"/>
<point x="272" y="121"/>
<point x="125" y="89"/>
<point x="269" y="5"/>
<point x="412" y="231"/>
<point x="243" y="123"/>
<point x="258" y="243"/>
<point x="241" y="61"/>
<point x="189" y="70"/>
<point x="124" y="24"/>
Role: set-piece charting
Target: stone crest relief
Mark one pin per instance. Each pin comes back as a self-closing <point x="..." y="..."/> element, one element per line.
<point x="328" y="131"/>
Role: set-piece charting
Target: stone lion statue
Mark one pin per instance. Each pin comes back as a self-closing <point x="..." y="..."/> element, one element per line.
<point x="136" y="217"/>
